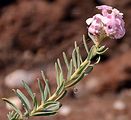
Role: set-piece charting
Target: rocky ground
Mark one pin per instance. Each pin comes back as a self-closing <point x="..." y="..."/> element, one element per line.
<point x="33" y="33"/>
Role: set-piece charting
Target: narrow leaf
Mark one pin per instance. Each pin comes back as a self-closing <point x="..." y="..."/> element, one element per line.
<point x="85" y="44"/>
<point x="24" y="100"/>
<point x="59" y="64"/>
<point x="35" y="103"/>
<point x="53" y="107"/>
<point x="14" y="116"/>
<point x="92" y="52"/>
<point x="57" y="74"/>
<point x="73" y="82"/>
<point x="81" y="59"/>
<point x="74" y="59"/>
<point x="76" y="75"/>
<point x="60" y="89"/>
<point x="83" y="67"/>
<point x="70" y="70"/>
<point x="46" y="84"/>
<point x="101" y="48"/>
<point x="66" y="61"/>
<point x="41" y="91"/>
<point x="61" y="79"/>
<point x="78" y="55"/>
<point x="46" y="92"/>
<point x="45" y="113"/>
<point x="101" y="52"/>
<point x="61" y="95"/>
<point x="47" y="87"/>
<point x="28" y="89"/>
<point x="98" y="60"/>
<point x="88" y="70"/>
<point x="43" y="76"/>
<point x="48" y="103"/>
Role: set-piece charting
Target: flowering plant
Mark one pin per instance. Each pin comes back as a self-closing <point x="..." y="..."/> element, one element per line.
<point x="108" y="24"/>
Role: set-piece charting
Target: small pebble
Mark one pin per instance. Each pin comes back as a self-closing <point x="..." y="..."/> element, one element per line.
<point x="119" y="105"/>
<point x="14" y="79"/>
<point x="92" y="84"/>
<point x="65" y="110"/>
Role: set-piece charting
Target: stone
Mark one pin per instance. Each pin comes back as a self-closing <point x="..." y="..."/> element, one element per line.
<point x="92" y="84"/>
<point x="14" y="79"/>
<point x="119" y="105"/>
<point x="65" y="110"/>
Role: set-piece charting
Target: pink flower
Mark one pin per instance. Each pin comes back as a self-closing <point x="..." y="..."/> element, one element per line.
<point x="104" y="9"/>
<point x="110" y="23"/>
<point x="95" y="22"/>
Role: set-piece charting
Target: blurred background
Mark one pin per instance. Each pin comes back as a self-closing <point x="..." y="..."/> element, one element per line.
<point x="33" y="33"/>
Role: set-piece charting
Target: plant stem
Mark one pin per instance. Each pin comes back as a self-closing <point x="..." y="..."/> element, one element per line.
<point x="68" y="83"/>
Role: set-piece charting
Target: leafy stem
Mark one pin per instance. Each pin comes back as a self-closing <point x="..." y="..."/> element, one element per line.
<point x="49" y="105"/>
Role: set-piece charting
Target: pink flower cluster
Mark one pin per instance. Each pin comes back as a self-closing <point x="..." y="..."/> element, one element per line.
<point x="110" y="23"/>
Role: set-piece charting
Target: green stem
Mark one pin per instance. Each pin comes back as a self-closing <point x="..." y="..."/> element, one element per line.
<point x="69" y="82"/>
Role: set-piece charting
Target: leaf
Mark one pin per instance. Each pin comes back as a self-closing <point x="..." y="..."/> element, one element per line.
<point x="43" y="76"/>
<point x="81" y="59"/>
<point x="28" y="89"/>
<point x="45" y="113"/>
<point x="14" y="116"/>
<point x="77" y="55"/>
<point x="57" y="74"/>
<point x="85" y="45"/>
<point x="77" y="74"/>
<point x="35" y="103"/>
<point x="61" y="79"/>
<point x="54" y="106"/>
<point x="101" y="48"/>
<point x="43" y="98"/>
<point x="74" y="81"/>
<point x="59" y="64"/>
<point x="12" y="105"/>
<point x="74" y="59"/>
<point x="92" y="53"/>
<point x="61" y="95"/>
<point x="101" y="52"/>
<point x="60" y="89"/>
<point x="66" y="61"/>
<point x="98" y="60"/>
<point x="45" y="93"/>
<point x="8" y="115"/>
<point x="70" y="70"/>
<point x="88" y="70"/>
<point x="93" y="38"/>
<point x="47" y="88"/>
<point x="24" y="100"/>
<point x="83" y="67"/>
